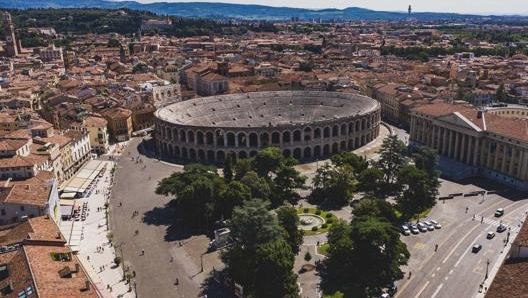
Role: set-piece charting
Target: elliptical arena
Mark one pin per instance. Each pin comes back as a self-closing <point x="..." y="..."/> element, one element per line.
<point x="306" y="125"/>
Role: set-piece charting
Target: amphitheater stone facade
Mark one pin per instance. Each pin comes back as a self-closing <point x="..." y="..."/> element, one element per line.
<point x="307" y="125"/>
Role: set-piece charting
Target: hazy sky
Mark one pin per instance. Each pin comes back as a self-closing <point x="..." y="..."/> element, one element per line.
<point x="459" y="6"/>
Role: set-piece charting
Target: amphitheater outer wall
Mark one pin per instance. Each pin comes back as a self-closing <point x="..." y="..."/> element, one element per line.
<point x="304" y="141"/>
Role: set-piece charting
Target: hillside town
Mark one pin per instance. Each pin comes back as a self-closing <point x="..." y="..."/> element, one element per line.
<point x="68" y="113"/>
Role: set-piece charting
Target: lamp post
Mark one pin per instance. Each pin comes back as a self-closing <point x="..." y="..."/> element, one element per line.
<point x="487" y="267"/>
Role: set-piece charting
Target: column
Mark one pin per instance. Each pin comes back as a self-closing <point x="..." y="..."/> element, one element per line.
<point x="470" y="144"/>
<point x="476" y="151"/>
<point x="512" y="159"/>
<point x="496" y="159"/>
<point x="504" y="156"/>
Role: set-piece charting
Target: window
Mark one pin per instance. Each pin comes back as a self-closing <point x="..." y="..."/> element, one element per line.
<point x="22" y="208"/>
<point x="4" y="273"/>
<point x="2" y="211"/>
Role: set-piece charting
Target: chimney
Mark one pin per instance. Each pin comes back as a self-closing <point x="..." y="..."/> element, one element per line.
<point x="479" y="114"/>
<point x="77" y="267"/>
<point x="86" y="285"/>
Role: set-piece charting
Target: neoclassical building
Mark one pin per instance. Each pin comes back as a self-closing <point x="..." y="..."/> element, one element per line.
<point x="306" y="125"/>
<point x="491" y="142"/>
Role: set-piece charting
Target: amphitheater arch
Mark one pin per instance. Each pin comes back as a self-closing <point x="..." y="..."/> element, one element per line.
<point x="317" y="151"/>
<point x="183" y="137"/>
<point x="286" y="152"/>
<point x="177" y="154"/>
<point x="199" y="138"/>
<point x="175" y="134"/>
<point x="326" y="150"/>
<point x="210" y="155"/>
<point x="252" y="153"/>
<point x="307" y="153"/>
<point x="230" y="139"/>
<point x="343" y="146"/>
<point x="297" y="153"/>
<point x="253" y="139"/>
<point x="184" y="153"/>
<point x="209" y="138"/>
<point x="297" y="135"/>
<point x="220" y="156"/>
<point x="317" y="133"/>
<point x="242" y="139"/>
<point x="326" y="132"/>
<point x="307" y="133"/>
<point x="286" y="137"/>
<point x="351" y="128"/>
<point x="242" y="154"/>
<point x="264" y="139"/>
<point x="275" y="138"/>
<point x="201" y="155"/>
<point x="192" y="154"/>
<point x="335" y="131"/>
<point x="165" y="149"/>
<point x="220" y="138"/>
<point x="343" y="129"/>
<point x="169" y="152"/>
<point x="335" y="148"/>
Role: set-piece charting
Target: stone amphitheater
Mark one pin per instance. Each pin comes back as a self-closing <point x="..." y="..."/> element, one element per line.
<point x="307" y="125"/>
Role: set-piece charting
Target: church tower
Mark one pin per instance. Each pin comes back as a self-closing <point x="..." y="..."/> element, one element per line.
<point x="9" y="33"/>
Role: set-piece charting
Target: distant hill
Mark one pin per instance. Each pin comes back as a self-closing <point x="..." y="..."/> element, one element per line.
<point x="236" y="11"/>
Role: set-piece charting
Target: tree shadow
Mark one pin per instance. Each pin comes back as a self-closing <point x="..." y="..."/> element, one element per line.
<point x="166" y="216"/>
<point x="492" y="186"/>
<point x="211" y="288"/>
<point x="147" y="147"/>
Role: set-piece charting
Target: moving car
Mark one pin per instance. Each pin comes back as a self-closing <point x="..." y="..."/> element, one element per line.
<point x="405" y="230"/>
<point x="429" y="225"/>
<point x="499" y="212"/>
<point x="422" y="227"/>
<point x="501" y="228"/>
<point x="490" y="235"/>
<point x="435" y="224"/>
<point x="476" y="248"/>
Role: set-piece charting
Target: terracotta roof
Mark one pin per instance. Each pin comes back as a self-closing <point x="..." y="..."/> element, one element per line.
<point x="95" y="122"/>
<point x="46" y="273"/>
<point x="26" y="194"/>
<point x="19" y="273"/>
<point x="15" y="161"/>
<point x="115" y="113"/>
<point x="510" y="281"/>
<point x="12" y="145"/>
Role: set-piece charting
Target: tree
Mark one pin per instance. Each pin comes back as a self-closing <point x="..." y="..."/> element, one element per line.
<point x="228" y="168"/>
<point x="391" y="158"/>
<point x="376" y="208"/>
<point x="242" y="166"/>
<point x="416" y="195"/>
<point x="286" y="180"/>
<point x="289" y="221"/>
<point x="371" y="181"/>
<point x="258" y="185"/>
<point x="363" y="257"/>
<point x="113" y="43"/>
<point x="235" y="195"/>
<point x="259" y="258"/>
<point x="267" y="160"/>
<point x="334" y="185"/>
<point x="358" y="163"/>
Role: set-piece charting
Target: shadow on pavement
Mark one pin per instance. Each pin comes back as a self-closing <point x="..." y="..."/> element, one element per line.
<point x="212" y="289"/>
<point x="165" y="216"/>
<point x="490" y="185"/>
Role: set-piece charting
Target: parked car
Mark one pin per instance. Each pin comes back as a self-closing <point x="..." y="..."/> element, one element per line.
<point x="392" y="289"/>
<point x="476" y="248"/>
<point x="435" y="224"/>
<point x="405" y="230"/>
<point x="490" y="235"/>
<point x="422" y="227"/>
<point x="429" y="225"/>
<point x="499" y="212"/>
<point x="414" y="229"/>
<point x="501" y="228"/>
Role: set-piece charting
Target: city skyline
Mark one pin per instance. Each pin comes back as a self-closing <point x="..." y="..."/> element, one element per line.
<point x="464" y="6"/>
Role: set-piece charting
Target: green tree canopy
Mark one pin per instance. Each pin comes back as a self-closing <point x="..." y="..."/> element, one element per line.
<point x="289" y="221"/>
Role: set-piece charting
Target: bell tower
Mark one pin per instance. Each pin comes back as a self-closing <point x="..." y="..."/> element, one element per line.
<point x="10" y="38"/>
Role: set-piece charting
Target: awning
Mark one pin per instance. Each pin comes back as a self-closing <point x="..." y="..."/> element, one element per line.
<point x="66" y="210"/>
<point x="67" y="202"/>
<point x="68" y="195"/>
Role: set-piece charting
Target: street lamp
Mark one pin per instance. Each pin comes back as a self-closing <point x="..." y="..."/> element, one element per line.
<point x="487" y="267"/>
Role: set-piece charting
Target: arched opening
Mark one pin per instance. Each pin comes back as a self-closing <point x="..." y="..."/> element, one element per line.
<point x="275" y="138"/>
<point x="317" y="133"/>
<point x="184" y="153"/>
<point x="357" y="143"/>
<point x="169" y="134"/>
<point x="230" y="139"/>
<point x="192" y="154"/>
<point x="317" y="151"/>
<point x="343" y="129"/>
<point x="220" y="138"/>
<point x="242" y="154"/>
<point x="307" y="153"/>
<point x="307" y="133"/>
<point x="264" y="139"/>
<point x="210" y="155"/>
<point x="335" y="148"/>
<point x="326" y="150"/>
<point x="343" y="146"/>
<point x="297" y="136"/>
<point x="233" y="156"/>
<point x="362" y="140"/>
<point x="200" y="138"/>
<point x="363" y="124"/>
<point x="183" y="137"/>
<point x="175" y="134"/>
<point x="164" y="150"/>
<point x="326" y="132"/>
<point x="351" y="145"/>
<point x="286" y="137"/>
<point x="297" y="153"/>
<point x="335" y="131"/>
<point x="201" y="155"/>
<point x="253" y="140"/>
<point x="351" y="128"/>
<point x="170" y="150"/>
<point x="209" y="138"/>
<point x="357" y="125"/>
<point x="286" y="152"/>
<point x="252" y="153"/>
<point x="220" y="156"/>
<point x="177" y="154"/>
<point x="190" y="137"/>
<point x="242" y="139"/>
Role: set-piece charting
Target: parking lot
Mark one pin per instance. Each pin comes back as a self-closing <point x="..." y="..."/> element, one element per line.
<point x="442" y="262"/>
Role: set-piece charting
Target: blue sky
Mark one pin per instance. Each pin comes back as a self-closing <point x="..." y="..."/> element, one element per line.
<point x="459" y="6"/>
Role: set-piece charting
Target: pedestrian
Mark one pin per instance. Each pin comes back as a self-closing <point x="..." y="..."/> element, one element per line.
<point x="473" y="216"/>
<point x="410" y="273"/>
<point x="467" y="208"/>
<point x="481" y="219"/>
<point x="134" y="273"/>
<point x="177" y="281"/>
<point x="436" y="247"/>
<point x="142" y="252"/>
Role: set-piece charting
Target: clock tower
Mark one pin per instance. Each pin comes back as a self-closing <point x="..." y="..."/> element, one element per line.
<point x="9" y="33"/>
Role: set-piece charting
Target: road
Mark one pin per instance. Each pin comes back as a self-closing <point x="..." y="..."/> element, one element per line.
<point x="454" y="270"/>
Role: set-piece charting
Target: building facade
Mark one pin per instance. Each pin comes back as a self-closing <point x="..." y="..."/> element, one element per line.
<point x="484" y="141"/>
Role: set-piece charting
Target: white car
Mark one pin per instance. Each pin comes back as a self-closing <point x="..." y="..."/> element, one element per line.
<point x="405" y="230"/>
<point x="435" y="224"/>
<point x="422" y="227"/>
<point x="429" y="225"/>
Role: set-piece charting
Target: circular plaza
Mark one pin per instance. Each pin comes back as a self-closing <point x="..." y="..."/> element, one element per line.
<point x="306" y="125"/>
